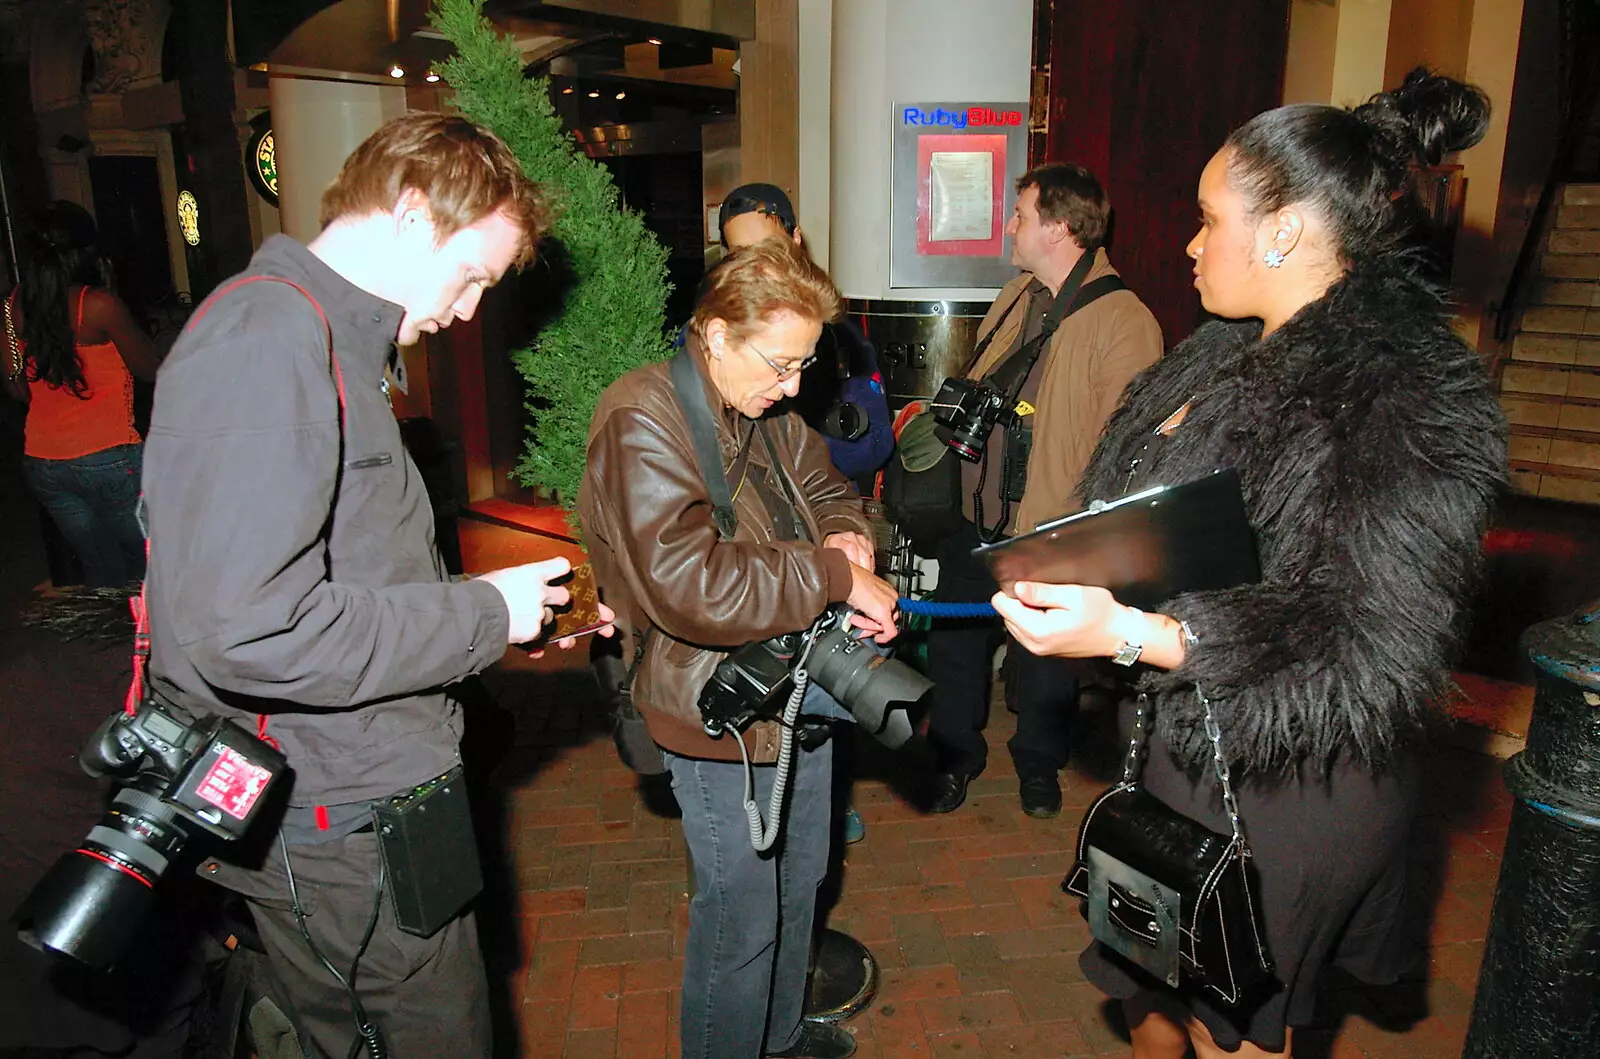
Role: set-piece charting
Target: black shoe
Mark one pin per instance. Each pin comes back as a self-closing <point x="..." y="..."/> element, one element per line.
<point x="819" y="1040"/>
<point x="949" y="791"/>
<point x="1041" y="796"/>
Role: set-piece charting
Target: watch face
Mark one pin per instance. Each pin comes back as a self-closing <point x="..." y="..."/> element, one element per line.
<point x="1127" y="654"/>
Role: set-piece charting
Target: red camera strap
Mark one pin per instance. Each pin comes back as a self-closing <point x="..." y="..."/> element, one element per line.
<point x="138" y="604"/>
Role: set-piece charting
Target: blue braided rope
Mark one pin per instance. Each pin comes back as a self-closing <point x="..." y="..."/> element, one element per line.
<point x="932" y="609"/>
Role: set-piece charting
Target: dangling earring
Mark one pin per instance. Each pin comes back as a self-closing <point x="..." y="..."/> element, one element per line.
<point x="1273" y="258"/>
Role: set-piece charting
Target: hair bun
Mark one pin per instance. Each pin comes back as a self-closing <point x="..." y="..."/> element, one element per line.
<point x="1427" y="117"/>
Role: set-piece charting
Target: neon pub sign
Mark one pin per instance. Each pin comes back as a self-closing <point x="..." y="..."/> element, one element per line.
<point x="972" y="117"/>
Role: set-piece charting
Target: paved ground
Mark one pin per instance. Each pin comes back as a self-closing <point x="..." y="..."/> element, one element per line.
<point x="963" y="912"/>
<point x="585" y="913"/>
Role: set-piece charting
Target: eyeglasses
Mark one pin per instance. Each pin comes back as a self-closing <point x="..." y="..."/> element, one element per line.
<point x="782" y="372"/>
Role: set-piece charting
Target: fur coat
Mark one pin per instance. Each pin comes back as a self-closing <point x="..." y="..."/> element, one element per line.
<point x="1370" y="450"/>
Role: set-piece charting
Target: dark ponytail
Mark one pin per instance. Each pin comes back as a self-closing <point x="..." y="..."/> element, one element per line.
<point x="1352" y="165"/>
<point x="60" y="250"/>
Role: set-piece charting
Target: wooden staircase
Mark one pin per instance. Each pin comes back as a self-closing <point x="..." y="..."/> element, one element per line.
<point x="1550" y="388"/>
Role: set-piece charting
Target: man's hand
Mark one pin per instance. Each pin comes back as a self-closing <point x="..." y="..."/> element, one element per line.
<point x="566" y="643"/>
<point x="875" y="602"/>
<point x="856" y="547"/>
<point x="529" y="595"/>
<point x="607" y="615"/>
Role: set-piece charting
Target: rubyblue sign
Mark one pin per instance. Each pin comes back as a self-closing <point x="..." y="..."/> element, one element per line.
<point x="972" y="117"/>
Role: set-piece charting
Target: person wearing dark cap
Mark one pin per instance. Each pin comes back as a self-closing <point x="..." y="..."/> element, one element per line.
<point x="842" y="396"/>
<point x="753" y="212"/>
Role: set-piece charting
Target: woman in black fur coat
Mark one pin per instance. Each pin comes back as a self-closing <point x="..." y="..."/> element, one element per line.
<point x="1370" y="449"/>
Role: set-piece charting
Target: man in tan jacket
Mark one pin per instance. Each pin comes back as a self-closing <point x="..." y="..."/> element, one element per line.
<point x="1063" y="400"/>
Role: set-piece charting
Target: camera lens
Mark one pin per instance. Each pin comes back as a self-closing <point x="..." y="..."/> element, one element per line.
<point x="968" y="442"/>
<point x="845" y="422"/>
<point x="139" y="830"/>
<point x="95" y="898"/>
<point x="879" y="692"/>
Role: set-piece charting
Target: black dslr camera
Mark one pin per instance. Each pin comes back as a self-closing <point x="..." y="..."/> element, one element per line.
<point x="969" y="411"/>
<point x="753" y="683"/>
<point x="210" y="776"/>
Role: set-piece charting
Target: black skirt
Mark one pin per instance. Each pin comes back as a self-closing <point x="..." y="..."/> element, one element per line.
<point x="1330" y="851"/>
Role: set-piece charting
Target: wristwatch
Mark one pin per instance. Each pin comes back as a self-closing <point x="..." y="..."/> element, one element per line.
<point x="1130" y="651"/>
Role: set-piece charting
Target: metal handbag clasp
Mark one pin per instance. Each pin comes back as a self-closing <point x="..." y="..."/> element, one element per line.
<point x="1134" y="914"/>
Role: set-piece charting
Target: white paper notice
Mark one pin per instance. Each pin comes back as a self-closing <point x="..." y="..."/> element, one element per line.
<point x="960" y="195"/>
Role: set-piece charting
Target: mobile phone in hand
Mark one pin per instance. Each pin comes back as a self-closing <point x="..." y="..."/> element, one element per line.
<point x="581" y="616"/>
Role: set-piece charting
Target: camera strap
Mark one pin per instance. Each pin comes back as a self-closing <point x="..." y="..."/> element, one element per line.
<point x="983" y="343"/>
<point x="786" y="488"/>
<point x="691" y="394"/>
<point x="1012" y="375"/>
<point x="1015" y="369"/>
<point x="139" y="604"/>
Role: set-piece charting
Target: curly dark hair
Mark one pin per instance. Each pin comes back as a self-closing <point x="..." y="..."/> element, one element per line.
<point x="60" y="250"/>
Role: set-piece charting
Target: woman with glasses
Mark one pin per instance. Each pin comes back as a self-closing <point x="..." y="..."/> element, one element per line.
<point x="690" y="588"/>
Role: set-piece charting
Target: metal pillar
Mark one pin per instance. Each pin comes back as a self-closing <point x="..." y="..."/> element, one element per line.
<point x="1539" y="988"/>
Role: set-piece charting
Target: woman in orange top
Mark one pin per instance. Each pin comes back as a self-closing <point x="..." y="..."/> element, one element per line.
<point x="72" y="353"/>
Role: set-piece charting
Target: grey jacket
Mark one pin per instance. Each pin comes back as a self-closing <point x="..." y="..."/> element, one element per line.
<point x="293" y="572"/>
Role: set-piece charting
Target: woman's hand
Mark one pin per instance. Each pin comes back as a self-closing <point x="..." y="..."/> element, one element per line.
<point x="855" y="546"/>
<point x="1066" y="621"/>
<point x="1081" y="621"/>
<point x="876" y="603"/>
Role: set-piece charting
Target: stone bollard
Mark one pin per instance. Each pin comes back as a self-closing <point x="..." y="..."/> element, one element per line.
<point x="1539" y="988"/>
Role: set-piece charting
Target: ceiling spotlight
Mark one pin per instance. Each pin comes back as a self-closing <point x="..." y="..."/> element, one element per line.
<point x="567" y="91"/>
<point x="594" y="95"/>
<point x="396" y="71"/>
<point x="622" y="95"/>
<point x="432" y="77"/>
<point x="656" y="41"/>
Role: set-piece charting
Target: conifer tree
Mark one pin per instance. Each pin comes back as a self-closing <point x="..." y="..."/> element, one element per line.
<point x="612" y="318"/>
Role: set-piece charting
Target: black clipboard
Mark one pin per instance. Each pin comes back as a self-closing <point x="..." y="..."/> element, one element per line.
<point x="1146" y="547"/>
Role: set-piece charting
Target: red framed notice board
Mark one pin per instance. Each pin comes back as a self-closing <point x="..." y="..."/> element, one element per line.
<point x="961" y="194"/>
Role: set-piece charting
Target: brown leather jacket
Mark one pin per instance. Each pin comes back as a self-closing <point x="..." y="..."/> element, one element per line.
<point x="660" y="564"/>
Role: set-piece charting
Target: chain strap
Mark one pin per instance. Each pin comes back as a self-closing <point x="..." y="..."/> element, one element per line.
<point x="1130" y="766"/>
<point x="16" y="365"/>
<point x="1136" y="746"/>
<point x="1230" y="804"/>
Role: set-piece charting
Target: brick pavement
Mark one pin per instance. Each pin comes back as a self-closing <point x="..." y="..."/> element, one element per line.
<point x="978" y="946"/>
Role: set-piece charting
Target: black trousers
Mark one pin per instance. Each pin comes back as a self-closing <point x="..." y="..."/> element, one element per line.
<point x="429" y="996"/>
<point x="1043" y="691"/>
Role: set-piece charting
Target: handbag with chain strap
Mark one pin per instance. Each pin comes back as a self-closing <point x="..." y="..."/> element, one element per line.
<point x="1168" y="893"/>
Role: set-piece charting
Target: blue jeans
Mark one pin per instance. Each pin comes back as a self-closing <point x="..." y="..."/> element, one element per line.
<point x="94" y="501"/>
<point x="749" y="946"/>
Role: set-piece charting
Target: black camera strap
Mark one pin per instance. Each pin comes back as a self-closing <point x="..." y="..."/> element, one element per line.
<point x="691" y="394"/>
<point x="786" y="488"/>
<point x="1016" y="368"/>
<point x="1013" y="373"/>
<point x="983" y="343"/>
